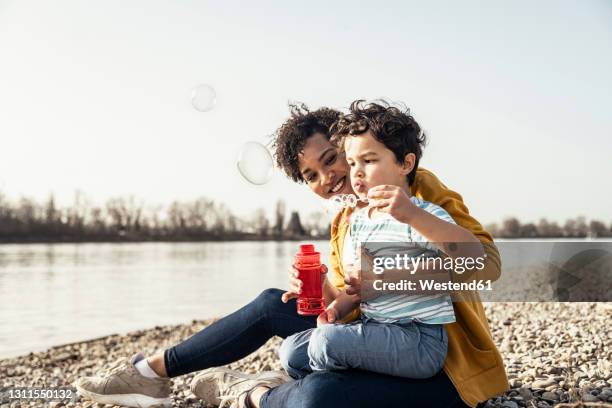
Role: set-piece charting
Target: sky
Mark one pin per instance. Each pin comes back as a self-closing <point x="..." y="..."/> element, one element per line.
<point x="515" y="96"/>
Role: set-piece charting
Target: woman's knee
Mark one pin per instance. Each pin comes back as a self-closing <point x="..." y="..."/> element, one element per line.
<point x="269" y="298"/>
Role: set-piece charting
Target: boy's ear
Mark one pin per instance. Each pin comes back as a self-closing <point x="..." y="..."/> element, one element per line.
<point x="408" y="164"/>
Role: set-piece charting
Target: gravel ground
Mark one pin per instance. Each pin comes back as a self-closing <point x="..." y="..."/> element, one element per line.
<point x="555" y="353"/>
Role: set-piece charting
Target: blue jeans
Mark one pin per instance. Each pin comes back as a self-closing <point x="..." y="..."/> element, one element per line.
<point x="244" y="331"/>
<point x="411" y="350"/>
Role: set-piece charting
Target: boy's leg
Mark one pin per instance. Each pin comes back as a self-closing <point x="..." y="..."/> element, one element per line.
<point x="412" y="351"/>
<point x="293" y="354"/>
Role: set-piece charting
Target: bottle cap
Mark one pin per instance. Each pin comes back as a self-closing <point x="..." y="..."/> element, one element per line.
<point x="307" y="249"/>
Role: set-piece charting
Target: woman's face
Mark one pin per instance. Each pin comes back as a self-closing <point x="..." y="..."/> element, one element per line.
<point x="324" y="168"/>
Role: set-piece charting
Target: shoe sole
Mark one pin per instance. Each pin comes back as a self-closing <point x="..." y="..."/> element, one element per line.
<point x="128" y="400"/>
<point x="258" y="376"/>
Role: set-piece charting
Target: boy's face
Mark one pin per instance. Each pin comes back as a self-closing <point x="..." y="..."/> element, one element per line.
<point x="372" y="164"/>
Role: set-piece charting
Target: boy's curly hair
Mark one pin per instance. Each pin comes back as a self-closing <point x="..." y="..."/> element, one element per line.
<point x="292" y="135"/>
<point x="390" y="125"/>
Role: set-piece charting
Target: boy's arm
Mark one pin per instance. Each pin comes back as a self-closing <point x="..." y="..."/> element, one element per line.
<point x="454" y="240"/>
<point x="330" y="292"/>
<point x="428" y="187"/>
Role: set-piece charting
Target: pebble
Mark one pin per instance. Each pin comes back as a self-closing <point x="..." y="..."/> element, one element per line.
<point x="538" y="384"/>
<point x="550" y="396"/>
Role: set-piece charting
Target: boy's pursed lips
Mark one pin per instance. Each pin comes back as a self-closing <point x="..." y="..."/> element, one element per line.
<point x="359" y="186"/>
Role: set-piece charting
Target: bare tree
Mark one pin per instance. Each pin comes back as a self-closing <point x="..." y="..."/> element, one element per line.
<point x="279" y="219"/>
<point x="125" y="213"/>
<point x="295" y="228"/>
<point x="511" y="228"/>
<point x="317" y="224"/>
<point x="597" y="229"/>
<point x="261" y="225"/>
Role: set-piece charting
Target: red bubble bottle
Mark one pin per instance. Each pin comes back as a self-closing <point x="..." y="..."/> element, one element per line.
<point x="308" y="264"/>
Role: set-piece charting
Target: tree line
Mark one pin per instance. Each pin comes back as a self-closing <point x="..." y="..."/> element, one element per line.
<point x="572" y="228"/>
<point x="129" y="219"/>
<point x="203" y="219"/>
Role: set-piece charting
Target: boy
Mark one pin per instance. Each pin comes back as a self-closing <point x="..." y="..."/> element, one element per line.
<point x="401" y="335"/>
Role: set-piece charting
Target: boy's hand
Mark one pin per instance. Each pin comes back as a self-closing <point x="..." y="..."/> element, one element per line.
<point x="392" y="200"/>
<point x="356" y="274"/>
<point x="328" y="316"/>
<point x="295" y="284"/>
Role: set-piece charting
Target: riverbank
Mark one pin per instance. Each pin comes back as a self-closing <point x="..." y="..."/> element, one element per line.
<point x="553" y="352"/>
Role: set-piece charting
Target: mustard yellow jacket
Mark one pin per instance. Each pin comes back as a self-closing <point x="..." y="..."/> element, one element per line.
<point x="473" y="363"/>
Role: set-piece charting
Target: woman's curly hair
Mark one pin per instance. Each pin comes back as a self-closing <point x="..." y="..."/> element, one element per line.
<point x="390" y="125"/>
<point x="292" y="135"/>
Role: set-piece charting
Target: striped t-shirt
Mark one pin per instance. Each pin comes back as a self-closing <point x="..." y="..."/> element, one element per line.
<point x="401" y="308"/>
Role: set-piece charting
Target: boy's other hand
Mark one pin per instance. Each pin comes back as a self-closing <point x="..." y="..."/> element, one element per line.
<point x="392" y="200"/>
<point x="355" y="274"/>
<point x="328" y="316"/>
<point x="295" y="284"/>
<point x="352" y="279"/>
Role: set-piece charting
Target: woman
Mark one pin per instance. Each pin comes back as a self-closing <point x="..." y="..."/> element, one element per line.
<point x="473" y="371"/>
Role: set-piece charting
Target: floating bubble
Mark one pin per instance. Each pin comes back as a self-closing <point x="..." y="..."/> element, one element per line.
<point x="255" y="163"/>
<point x="203" y="98"/>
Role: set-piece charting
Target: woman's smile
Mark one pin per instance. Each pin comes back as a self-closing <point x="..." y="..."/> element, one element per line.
<point x="338" y="186"/>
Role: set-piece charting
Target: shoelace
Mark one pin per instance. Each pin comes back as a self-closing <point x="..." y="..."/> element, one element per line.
<point x="227" y="395"/>
<point x="117" y="366"/>
<point x="120" y="365"/>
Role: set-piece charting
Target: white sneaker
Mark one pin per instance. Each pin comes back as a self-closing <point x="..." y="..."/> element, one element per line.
<point x="222" y="386"/>
<point x="125" y="386"/>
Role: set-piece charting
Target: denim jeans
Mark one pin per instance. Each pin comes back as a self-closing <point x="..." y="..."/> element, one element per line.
<point x="412" y="350"/>
<point x="244" y="331"/>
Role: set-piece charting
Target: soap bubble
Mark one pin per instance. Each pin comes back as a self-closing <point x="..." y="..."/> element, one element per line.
<point x="333" y="205"/>
<point x="203" y="98"/>
<point x="341" y="201"/>
<point x="351" y="200"/>
<point x="255" y="163"/>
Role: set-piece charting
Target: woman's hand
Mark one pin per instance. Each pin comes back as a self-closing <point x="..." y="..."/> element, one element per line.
<point x="295" y="284"/>
<point x="392" y="200"/>
<point x="328" y="316"/>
